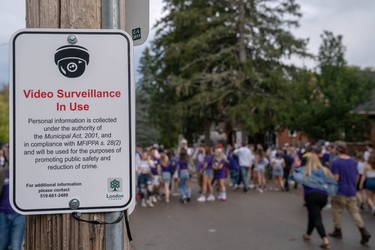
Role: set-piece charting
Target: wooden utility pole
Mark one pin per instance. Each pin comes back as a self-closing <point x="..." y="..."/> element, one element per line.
<point x="62" y="231"/>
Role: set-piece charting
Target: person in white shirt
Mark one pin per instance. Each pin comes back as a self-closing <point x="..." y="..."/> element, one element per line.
<point x="369" y="149"/>
<point x="246" y="160"/>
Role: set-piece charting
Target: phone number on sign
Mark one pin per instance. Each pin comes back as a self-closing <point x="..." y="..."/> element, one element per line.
<point x="54" y="195"/>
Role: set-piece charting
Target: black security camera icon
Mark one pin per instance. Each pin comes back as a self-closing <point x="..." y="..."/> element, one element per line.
<point x="72" y="60"/>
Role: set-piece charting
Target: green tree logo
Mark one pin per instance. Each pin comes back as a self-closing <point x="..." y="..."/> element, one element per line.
<point x="115" y="184"/>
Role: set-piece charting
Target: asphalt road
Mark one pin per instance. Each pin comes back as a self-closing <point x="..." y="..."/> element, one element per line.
<point x="253" y="220"/>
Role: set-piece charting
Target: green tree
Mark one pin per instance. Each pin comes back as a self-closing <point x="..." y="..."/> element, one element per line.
<point x="4" y="114"/>
<point x="146" y="130"/>
<point x="264" y="92"/>
<point x="225" y="61"/>
<point x="327" y="98"/>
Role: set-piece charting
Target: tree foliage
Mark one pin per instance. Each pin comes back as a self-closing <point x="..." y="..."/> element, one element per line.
<point x="225" y="61"/>
<point x="323" y="106"/>
<point x="4" y="115"/>
<point x="229" y="61"/>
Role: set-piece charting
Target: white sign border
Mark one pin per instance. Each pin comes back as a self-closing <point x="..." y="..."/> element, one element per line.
<point x="12" y="122"/>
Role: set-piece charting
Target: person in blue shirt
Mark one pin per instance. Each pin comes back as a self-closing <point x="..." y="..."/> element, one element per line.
<point x="315" y="197"/>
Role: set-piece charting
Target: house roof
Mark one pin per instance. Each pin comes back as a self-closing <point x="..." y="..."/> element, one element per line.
<point x="367" y="108"/>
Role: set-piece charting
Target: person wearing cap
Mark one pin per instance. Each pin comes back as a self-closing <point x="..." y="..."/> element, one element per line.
<point x="369" y="150"/>
<point x="344" y="170"/>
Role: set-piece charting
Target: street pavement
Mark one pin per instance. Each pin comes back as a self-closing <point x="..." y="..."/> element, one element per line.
<point x="253" y="220"/>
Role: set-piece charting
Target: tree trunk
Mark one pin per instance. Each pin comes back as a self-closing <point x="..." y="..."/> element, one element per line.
<point x="241" y="29"/>
<point x="62" y="231"/>
<point x="207" y="133"/>
<point x="229" y="133"/>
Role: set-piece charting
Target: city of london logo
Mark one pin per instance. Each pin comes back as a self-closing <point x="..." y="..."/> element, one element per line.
<point x="114" y="185"/>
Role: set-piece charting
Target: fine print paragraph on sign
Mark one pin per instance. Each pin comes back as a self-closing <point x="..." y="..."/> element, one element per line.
<point x="77" y="144"/>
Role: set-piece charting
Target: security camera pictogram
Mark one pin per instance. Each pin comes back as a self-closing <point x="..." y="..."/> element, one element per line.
<point x="72" y="60"/>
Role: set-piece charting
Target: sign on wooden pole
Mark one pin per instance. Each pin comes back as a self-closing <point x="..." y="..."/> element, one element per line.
<point x="72" y="121"/>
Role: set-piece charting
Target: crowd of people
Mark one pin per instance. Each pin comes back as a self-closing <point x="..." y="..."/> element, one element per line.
<point x="329" y="175"/>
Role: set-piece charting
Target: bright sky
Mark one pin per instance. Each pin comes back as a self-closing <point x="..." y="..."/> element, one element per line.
<point x="354" y="19"/>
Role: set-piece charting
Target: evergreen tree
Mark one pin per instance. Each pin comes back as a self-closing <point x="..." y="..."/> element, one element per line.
<point x="146" y="132"/>
<point x="4" y="115"/>
<point x="265" y="75"/>
<point x="225" y="61"/>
